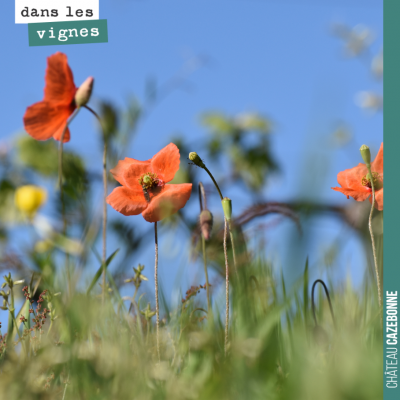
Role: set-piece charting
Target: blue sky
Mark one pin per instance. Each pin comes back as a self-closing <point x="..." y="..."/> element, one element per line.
<point x="278" y="58"/>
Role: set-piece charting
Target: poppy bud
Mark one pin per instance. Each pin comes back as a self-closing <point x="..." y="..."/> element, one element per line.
<point x="29" y="199"/>
<point x="196" y="159"/>
<point x="206" y="223"/>
<point x="227" y="206"/>
<point x="365" y="154"/>
<point x="82" y="95"/>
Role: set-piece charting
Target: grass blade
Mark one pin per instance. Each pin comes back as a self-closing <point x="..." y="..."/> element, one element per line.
<point x="100" y="270"/>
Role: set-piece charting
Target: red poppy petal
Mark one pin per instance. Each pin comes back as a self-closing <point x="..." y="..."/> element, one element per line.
<point x="127" y="172"/>
<point x="60" y="87"/>
<point x="127" y="202"/>
<point x="59" y="132"/>
<point x="171" y="199"/>
<point x="166" y="162"/>
<point x="42" y="120"/>
<point x="351" y="178"/>
<point x="378" y="199"/>
<point x="377" y="164"/>
<point x="355" y="194"/>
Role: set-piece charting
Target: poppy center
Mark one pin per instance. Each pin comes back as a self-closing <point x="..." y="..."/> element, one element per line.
<point x="150" y="180"/>
<point x="376" y="178"/>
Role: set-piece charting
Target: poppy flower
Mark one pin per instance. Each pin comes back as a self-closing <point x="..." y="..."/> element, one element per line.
<point x="355" y="182"/>
<point x="47" y="118"/>
<point x="144" y="189"/>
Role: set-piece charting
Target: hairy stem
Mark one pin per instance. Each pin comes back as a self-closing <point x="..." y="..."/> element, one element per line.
<point x="233" y="248"/>
<point x="378" y="281"/>
<point x="156" y="290"/>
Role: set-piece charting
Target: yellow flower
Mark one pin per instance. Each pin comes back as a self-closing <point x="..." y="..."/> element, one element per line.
<point x="29" y="199"/>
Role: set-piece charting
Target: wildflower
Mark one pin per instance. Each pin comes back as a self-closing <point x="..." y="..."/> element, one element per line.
<point x="48" y="117"/>
<point x="144" y="190"/>
<point x="356" y="182"/>
<point x="29" y="199"/>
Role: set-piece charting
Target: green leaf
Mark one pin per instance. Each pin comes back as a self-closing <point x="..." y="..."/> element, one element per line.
<point x="100" y="270"/>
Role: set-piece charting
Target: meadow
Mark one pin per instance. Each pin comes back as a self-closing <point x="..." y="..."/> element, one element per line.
<point x="243" y="330"/>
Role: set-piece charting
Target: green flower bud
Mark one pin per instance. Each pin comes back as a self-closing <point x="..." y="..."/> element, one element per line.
<point x="227" y="206"/>
<point x="365" y="154"/>
<point x="196" y="159"/>
<point x="206" y="223"/>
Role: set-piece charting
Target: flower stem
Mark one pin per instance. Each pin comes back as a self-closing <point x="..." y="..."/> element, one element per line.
<point x="378" y="282"/>
<point x="60" y="149"/>
<point x="215" y="182"/>
<point x="156" y="291"/>
<point x="230" y="224"/>
<point x="202" y="198"/>
<point x="104" y="255"/>
<point x="60" y="187"/>
<point x="233" y="247"/>
<point x="206" y="274"/>
<point x="226" y="261"/>
<point x="226" y="288"/>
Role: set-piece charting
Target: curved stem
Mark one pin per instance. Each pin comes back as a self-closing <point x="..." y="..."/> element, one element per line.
<point x="230" y="223"/>
<point x="215" y="182"/>
<point x="156" y="290"/>
<point x="328" y="297"/>
<point x="226" y="288"/>
<point x="378" y="281"/>
<point x="104" y="255"/>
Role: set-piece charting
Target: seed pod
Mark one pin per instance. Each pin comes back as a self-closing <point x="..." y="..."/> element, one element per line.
<point x="206" y="223"/>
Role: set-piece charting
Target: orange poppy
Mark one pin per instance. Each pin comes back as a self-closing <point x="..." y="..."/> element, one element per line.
<point x="354" y="182"/>
<point x="48" y="117"/>
<point x="144" y="190"/>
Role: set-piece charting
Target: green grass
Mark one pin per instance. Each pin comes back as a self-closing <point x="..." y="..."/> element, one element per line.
<point x="275" y="349"/>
